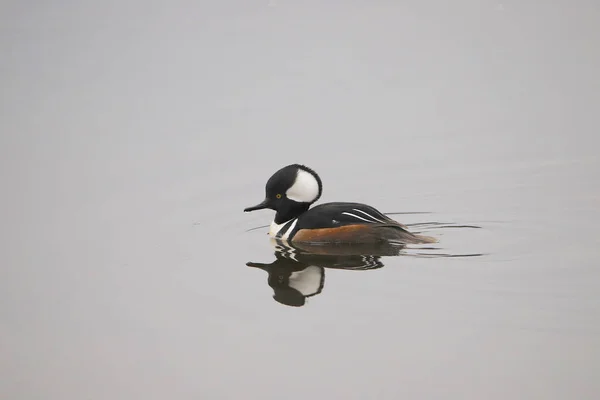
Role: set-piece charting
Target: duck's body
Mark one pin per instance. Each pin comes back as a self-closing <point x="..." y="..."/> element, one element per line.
<point x="291" y="191"/>
<point x="342" y="222"/>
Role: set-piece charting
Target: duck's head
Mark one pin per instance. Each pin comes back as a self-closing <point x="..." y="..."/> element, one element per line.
<point x="290" y="191"/>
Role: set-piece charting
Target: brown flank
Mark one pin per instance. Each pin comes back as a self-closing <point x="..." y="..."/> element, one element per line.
<point x="360" y="233"/>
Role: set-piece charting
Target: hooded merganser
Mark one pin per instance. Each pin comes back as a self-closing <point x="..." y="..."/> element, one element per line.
<point x="292" y="190"/>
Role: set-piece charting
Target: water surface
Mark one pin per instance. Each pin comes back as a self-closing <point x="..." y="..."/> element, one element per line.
<point x="133" y="136"/>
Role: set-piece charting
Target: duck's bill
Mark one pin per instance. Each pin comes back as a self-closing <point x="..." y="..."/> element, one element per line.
<point x="260" y="206"/>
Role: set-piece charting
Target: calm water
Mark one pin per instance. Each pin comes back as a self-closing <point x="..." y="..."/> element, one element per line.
<point x="133" y="135"/>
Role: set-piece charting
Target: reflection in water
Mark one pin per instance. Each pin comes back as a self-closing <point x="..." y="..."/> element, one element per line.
<point x="298" y="271"/>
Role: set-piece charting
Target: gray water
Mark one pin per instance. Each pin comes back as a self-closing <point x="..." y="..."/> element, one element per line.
<point x="133" y="134"/>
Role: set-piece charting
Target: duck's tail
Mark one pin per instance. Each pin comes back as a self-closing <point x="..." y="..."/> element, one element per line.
<point x="422" y="239"/>
<point x="399" y="233"/>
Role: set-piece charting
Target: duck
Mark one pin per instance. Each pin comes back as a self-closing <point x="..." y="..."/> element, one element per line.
<point x="293" y="189"/>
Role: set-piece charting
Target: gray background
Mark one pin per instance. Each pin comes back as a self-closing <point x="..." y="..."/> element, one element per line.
<point x="134" y="133"/>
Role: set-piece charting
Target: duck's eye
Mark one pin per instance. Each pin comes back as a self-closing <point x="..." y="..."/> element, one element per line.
<point x="278" y="195"/>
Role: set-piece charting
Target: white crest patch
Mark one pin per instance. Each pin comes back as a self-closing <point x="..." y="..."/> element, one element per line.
<point x="305" y="188"/>
<point x="307" y="281"/>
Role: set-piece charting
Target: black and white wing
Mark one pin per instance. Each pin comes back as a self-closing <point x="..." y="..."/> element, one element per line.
<point x="339" y="214"/>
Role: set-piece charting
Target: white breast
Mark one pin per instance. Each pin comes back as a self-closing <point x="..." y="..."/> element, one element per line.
<point x="276" y="229"/>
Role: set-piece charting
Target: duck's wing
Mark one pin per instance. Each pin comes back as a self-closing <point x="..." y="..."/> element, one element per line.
<point x="352" y="222"/>
<point x="331" y="215"/>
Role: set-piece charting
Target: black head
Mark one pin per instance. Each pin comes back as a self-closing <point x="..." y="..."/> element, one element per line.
<point x="290" y="191"/>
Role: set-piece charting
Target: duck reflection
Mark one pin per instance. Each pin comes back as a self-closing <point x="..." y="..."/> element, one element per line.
<point x="298" y="271"/>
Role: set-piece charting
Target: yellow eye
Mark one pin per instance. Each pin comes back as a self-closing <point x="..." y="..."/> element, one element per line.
<point x="278" y="195"/>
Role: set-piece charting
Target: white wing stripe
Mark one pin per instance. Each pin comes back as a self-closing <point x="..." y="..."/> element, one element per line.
<point x="289" y="230"/>
<point x="357" y="217"/>
<point x="279" y="231"/>
<point x="367" y="214"/>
